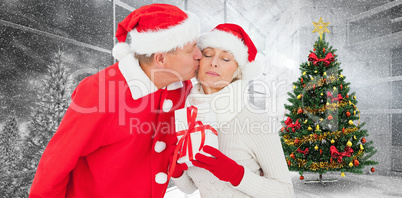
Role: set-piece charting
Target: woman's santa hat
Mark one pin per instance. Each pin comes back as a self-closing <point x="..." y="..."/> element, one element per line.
<point x="232" y="38"/>
<point x="155" y="28"/>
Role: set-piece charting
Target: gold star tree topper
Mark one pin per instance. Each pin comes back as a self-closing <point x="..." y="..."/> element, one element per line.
<point x="320" y="27"/>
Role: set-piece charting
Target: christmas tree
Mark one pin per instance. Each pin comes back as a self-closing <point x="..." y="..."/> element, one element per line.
<point x="9" y="155"/>
<point x="322" y="131"/>
<point x="52" y="102"/>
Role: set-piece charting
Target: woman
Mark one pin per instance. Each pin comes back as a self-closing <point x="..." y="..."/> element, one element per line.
<point x="250" y="161"/>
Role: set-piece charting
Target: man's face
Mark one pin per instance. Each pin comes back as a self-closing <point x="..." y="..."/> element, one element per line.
<point x="184" y="61"/>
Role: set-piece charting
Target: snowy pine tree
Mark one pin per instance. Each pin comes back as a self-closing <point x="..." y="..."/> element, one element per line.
<point x="9" y="155"/>
<point x="52" y="102"/>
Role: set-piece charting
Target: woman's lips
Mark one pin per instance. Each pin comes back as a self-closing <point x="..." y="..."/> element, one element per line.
<point x="211" y="73"/>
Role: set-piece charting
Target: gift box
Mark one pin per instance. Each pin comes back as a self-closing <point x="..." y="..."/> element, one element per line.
<point x="194" y="130"/>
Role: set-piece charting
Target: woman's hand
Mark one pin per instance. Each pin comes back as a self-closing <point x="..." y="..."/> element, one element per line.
<point x="179" y="170"/>
<point x="220" y="165"/>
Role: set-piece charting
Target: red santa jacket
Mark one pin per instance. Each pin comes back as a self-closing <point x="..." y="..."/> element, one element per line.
<point x="115" y="139"/>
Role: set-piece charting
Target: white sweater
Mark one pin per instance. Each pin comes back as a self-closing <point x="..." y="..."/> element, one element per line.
<point x="244" y="136"/>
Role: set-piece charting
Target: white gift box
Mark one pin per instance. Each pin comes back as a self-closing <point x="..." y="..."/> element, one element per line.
<point x="207" y="117"/>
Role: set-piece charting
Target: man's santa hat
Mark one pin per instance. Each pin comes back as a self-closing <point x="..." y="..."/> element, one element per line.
<point x="232" y="38"/>
<point x="155" y="28"/>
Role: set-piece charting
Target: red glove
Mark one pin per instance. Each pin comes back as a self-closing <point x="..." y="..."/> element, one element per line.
<point x="179" y="170"/>
<point x="221" y="166"/>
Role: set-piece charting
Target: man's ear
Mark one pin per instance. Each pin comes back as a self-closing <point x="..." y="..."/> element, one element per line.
<point x="160" y="59"/>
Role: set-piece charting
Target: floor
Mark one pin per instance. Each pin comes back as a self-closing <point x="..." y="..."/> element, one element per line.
<point x="351" y="186"/>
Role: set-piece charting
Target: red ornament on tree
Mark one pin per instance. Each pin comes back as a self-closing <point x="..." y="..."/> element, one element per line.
<point x="301" y="177"/>
<point x="330" y="160"/>
<point x="289" y="163"/>
<point x="301" y="80"/>
<point x="296" y="141"/>
<point x="348" y="113"/>
<point x="372" y="169"/>
<point x="330" y="117"/>
<point x="320" y="151"/>
<point x="347" y="96"/>
<point x="341" y="86"/>
<point x="292" y="156"/>
<point x="315" y="136"/>
<point x="314" y="49"/>
<point x="323" y="49"/>
<point x="343" y="130"/>
<point x="355" y="162"/>
<point x="282" y="129"/>
<point x="300" y="111"/>
<point x="314" y="87"/>
<point x="363" y="140"/>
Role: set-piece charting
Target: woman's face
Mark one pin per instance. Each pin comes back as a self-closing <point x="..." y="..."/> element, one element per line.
<point x="216" y="69"/>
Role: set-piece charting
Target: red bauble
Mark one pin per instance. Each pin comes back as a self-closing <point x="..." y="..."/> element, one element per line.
<point x="314" y="49"/>
<point x="282" y="129"/>
<point x="304" y="85"/>
<point x="323" y="49"/>
<point x="289" y="163"/>
<point x="292" y="156"/>
<point x="301" y="177"/>
<point x="363" y="140"/>
<point x="372" y="169"/>
<point x="356" y="162"/>
<point x="330" y="160"/>
<point x="343" y="130"/>
<point x="315" y="136"/>
<point x="347" y="96"/>
<point x="348" y="113"/>
<point x="341" y="87"/>
<point x="314" y="87"/>
<point x="301" y="80"/>
<point x="320" y="151"/>
<point x="300" y="111"/>
<point x="330" y="117"/>
<point x="296" y="141"/>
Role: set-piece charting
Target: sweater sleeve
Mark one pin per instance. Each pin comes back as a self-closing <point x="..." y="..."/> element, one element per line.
<point x="79" y="133"/>
<point x="185" y="183"/>
<point x="268" y="152"/>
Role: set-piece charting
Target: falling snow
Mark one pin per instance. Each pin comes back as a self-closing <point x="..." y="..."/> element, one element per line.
<point x="367" y="34"/>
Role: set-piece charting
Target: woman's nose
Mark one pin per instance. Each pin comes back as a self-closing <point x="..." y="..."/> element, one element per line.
<point x="214" y="62"/>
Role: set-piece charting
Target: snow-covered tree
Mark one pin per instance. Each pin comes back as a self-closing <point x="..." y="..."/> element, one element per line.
<point x="49" y="109"/>
<point x="9" y="155"/>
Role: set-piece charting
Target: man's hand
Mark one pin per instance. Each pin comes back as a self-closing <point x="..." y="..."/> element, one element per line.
<point x="220" y="165"/>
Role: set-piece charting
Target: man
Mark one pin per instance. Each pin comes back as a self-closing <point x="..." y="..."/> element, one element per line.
<point x="113" y="140"/>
